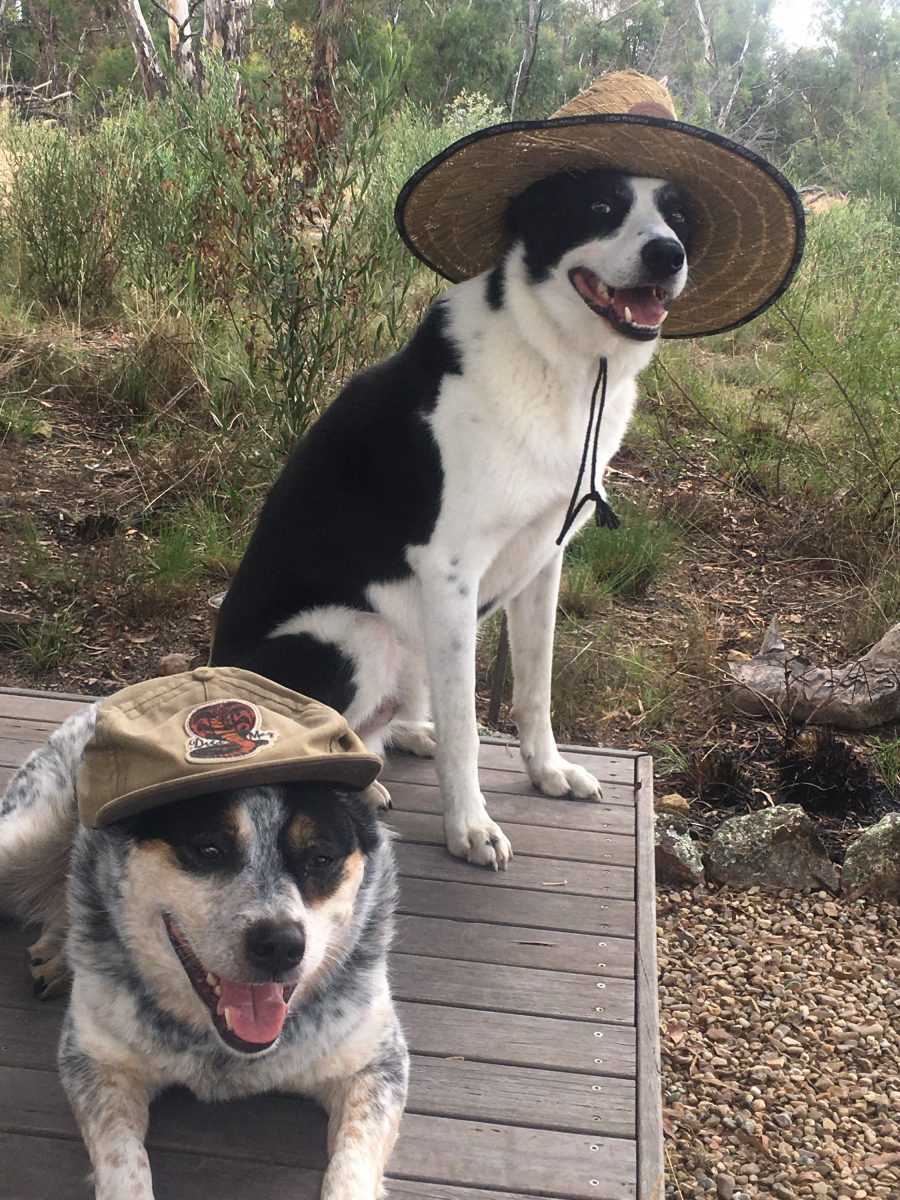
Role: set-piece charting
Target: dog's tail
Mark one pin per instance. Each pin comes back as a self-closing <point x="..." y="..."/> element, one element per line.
<point x="37" y="823"/>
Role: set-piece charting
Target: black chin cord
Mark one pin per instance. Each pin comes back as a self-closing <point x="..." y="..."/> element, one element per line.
<point x="603" y="514"/>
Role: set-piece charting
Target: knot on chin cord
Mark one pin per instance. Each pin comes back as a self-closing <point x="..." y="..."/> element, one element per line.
<point x="603" y="514"/>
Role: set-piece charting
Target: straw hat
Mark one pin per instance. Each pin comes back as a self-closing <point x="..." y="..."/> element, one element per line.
<point x="211" y="728"/>
<point x="748" y="226"/>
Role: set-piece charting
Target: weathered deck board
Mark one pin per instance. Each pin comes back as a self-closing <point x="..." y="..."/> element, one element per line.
<point x="528" y="998"/>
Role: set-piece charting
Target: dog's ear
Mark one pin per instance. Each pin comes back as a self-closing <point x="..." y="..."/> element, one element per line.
<point x="362" y="812"/>
<point x="520" y="214"/>
<point x="530" y="211"/>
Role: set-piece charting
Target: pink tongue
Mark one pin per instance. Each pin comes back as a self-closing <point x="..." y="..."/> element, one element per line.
<point x="257" y="1011"/>
<point x="645" y="308"/>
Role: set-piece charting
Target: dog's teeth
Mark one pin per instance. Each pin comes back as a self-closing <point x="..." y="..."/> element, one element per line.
<point x="229" y="1023"/>
<point x="217" y="990"/>
<point x="663" y="317"/>
<point x="628" y="316"/>
<point x="211" y="979"/>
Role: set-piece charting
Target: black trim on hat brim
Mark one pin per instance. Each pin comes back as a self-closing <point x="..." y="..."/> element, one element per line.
<point x="322" y="769"/>
<point x="704" y="135"/>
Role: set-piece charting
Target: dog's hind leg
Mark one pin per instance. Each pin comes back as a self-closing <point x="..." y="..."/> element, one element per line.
<point x="532" y="616"/>
<point x="345" y="657"/>
<point x="112" y="1108"/>
<point x="411" y="730"/>
<point x="37" y="823"/>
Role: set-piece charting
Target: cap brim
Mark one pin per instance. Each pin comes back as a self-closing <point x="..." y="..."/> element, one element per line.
<point x="352" y="772"/>
<point x="748" y="223"/>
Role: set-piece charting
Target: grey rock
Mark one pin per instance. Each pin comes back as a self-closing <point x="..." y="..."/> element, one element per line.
<point x="776" y="848"/>
<point x="678" y="860"/>
<point x="173" y="664"/>
<point x="725" y="1187"/>
<point x="872" y="865"/>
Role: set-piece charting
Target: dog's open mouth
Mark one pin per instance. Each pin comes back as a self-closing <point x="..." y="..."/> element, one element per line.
<point x="247" y="1016"/>
<point x="638" y="312"/>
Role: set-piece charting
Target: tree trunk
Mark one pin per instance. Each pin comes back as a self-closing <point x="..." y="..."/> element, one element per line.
<point x="141" y="39"/>
<point x="325" y="47"/>
<point x="181" y="41"/>
<point x="224" y="23"/>
<point x="526" y="65"/>
<point x="709" y="46"/>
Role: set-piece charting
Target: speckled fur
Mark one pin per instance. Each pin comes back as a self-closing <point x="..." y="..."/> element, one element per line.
<point x="135" y="1025"/>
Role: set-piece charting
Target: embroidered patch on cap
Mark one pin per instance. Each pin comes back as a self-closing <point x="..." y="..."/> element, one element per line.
<point x="225" y="729"/>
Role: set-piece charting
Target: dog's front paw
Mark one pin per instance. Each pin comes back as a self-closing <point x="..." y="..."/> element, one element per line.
<point x="561" y="778"/>
<point x="47" y="964"/>
<point x="482" y="842"/>
<point x="378" y="796"/>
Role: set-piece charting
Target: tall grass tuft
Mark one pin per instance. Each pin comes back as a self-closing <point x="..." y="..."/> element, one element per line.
<point x="604" y="563"/>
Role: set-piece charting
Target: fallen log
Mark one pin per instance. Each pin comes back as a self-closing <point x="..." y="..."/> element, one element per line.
<point x="858" y="695"/>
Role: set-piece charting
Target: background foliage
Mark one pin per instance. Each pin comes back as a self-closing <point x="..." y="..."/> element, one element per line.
<point x="195" y="277"/>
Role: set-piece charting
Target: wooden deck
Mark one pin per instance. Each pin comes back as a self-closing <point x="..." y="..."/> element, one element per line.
<point x="528" y="999"/>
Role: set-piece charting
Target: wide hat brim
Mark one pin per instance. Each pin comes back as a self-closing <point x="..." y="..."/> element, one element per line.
<point x="747" y="219"/>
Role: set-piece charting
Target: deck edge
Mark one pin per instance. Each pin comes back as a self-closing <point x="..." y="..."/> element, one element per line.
<point x="651" y="1182"/>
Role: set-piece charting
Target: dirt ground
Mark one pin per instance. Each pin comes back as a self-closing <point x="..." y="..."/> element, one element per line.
<point x="743" y="1118"/>
<point x="77" y="494"/>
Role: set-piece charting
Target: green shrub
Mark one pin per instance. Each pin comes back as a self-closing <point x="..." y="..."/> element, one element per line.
<point x="799" y="407"/>
<point x="65" y="211"/>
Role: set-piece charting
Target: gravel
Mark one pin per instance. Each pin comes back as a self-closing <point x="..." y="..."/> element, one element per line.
<point x="780" y="1022"/>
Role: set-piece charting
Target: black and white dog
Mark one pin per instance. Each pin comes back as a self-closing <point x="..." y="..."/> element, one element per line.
<point x="433" y="491"/>
<point x="234" y="947"/>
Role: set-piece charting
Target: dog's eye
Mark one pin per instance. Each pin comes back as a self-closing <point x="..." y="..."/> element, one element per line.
<point x="323" y="860"/>
<point x="601" y="207"/>
<point x="677" y="218"/>
<point x="209" y="852"/>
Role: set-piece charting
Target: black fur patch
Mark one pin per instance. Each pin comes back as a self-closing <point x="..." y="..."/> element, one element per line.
<point x="495" y="289"/>
<point x="566" y="210"/>
<point x="362" y="486"/>
<point x="676" y="212"/>
<point x="204" y="833"/>
<point x="299" y="660"/>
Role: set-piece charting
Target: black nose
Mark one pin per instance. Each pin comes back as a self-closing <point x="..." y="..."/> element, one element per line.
<point x="275" y="946"/>
<point x="664" y="256"/>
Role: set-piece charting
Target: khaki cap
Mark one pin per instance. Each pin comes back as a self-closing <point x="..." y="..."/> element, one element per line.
<point x="190" y="734"/>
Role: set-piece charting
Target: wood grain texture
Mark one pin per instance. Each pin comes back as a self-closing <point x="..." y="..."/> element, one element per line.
<point x="577" y="845"/>
<point x="546" y="811"/>
<point x="550" y="876"/>
<point x="514" y="945"/>
<point x="512" y="989"/>
<point x="549" y="1043"/>
<point x="522" y="1096"/>
<point x="520" y="1088"/>
<point x="649" y="1076"/>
